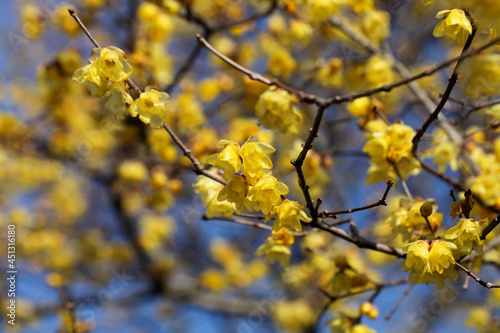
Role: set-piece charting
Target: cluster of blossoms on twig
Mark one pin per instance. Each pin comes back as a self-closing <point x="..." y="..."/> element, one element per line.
<point x="433" y="261"/>
<point x="106" y="76"/>
<point x="252" y="187"/>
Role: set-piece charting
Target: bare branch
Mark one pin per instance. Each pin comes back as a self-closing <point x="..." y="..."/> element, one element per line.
<point x="381" y="202"/>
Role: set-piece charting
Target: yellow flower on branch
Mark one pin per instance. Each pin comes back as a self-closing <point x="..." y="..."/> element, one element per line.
<point x="228" y="160"/>
<point x="256" y="163"/>
<point x="267" y="193"/>
<point x="467" y="236"/>
<point x="235" y="191"/>
<point x="455" y="25"/>
<point x="430" y="262"/>
<point x="105" y="76"/>
<point x="150" y="107"/>
<point x="289" y="214"/>
<point x="277" y="247"/>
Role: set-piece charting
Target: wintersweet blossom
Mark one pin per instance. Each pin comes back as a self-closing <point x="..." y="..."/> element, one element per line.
<point x="267" y="192"/>
<point x="455" y="25"/>
<point x="289" y="214"/>
<point x="228" y="160"/>
<point x="150" y="106"/>
<point x="430" y="262"/>
<point x="277" y="247"/>
<point x="275" y="110"/>
<point x="467" y="236"/>
<point x="255" y="160"/>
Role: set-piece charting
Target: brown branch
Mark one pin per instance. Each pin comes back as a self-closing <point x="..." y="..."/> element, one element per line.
<point x="398" y="304"/>
<point x="456" y="185"/>
<point x="255" y="224"/>
<point x="378" y="288"/>
<point x="255" y="17"/>
<point x="489" y="228"/>
<point x="358" y="240"/>
<point x="381" y="202"/>
<point x="301" y="95"/>
<point x="451" y="84"/>
<point x="299" y="161"/>
<point x="427" y="72"/>
<point x="199" y="169"/>
<point x="70" y="307"/>
<point x="485" y="284"/>
<point x="94" y="41"/>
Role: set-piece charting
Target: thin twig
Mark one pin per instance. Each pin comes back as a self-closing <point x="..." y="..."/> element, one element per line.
<point x="358" y="240"/>
<point x="381" y="202"/>
<point x="451" y="84"/>
<point x="299" y="161"/>
<point x="303" y="96"/>
<point x="485" y="284"/>
<point x="393" y="310"/>
<point x="70" y="307"/>
<point x="255" y="224"/>
<point x="199" y="169"/>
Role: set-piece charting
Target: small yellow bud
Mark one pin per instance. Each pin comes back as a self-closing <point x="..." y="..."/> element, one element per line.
<point x="368" y="309"/>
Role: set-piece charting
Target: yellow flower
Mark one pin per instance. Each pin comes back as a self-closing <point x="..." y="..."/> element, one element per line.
<point x="443" y="150"/>
<point x="330" y="75"/>
<point x="150" y="107"/>
<point x="323" y="9"/>
<point x="289" y="214"/>
<point x="294" y="316"/>
<point x="214" y="280"/>
<point x="105" y="76"/>
<point x="301" y="31"/>
<point x="209" y="190"/>
<point x="408" y="218"/>
<point x="132" y="171"/>
<point x="390" y="154"/>
<point x="235" y="191"/>
<point x="455" y="25"/>
<point x="255" y="160"/>
<point x="376" y="25"/>
<point x="267" y="192"/>
<point x="215" y="206"/>
<point x="275" y="110"/>
<point x="378" y="71"/>
<point x="467" y="236"/>
<point x="281" y="63"/>
<point x="430" y="262"/>
<point x="361" y="6"/>
<point x="456" y="208"/>
<point x="228" y="160"/>
<point x="110" y="63"/>
<point x="277" y="247"/>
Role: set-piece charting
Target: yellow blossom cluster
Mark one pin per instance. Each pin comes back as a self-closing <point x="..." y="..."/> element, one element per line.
<point x="430" y="262"/>
<point x="106" y="75"/>
<point x="235" y="271"/>
<point x="390" y="153"/>
<point x="434" y="261"/>
<point x="407" y="219"/>
<point x="255" y="188"/>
